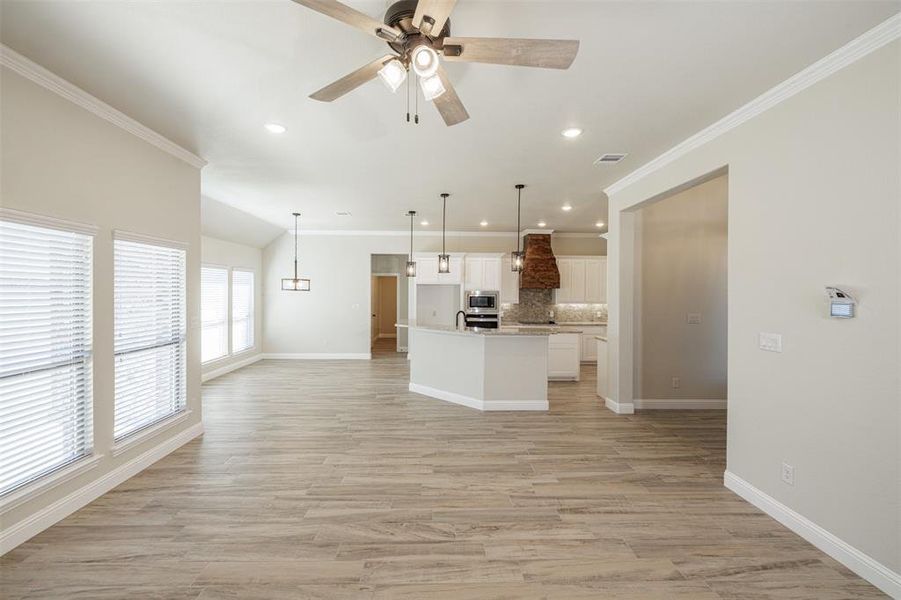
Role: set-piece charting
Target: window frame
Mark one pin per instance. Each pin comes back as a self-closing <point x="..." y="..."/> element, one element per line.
<point x="228" y="312"/>
<point x="251" y="316"/>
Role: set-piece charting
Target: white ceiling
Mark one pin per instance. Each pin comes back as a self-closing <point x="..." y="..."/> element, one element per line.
<point x="208" y="74"/>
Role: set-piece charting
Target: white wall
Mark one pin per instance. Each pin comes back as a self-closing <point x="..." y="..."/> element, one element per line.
<point x="223" y="253"/>
<point x="62" y="161"/>
<point x="681" y="251"/>
<point x="333" y="318"/>
<point x="813" y="201"/>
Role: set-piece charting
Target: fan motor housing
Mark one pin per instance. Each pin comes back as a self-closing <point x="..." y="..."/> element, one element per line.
<point x="400" y="15"/>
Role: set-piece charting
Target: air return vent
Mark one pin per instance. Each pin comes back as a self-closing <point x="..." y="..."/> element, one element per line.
<point x="343" y="213"/>
<point x="609" y="159"/>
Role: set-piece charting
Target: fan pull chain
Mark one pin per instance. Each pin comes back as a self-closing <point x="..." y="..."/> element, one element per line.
<point x="408" y="99"/>
<point x="416" y="91"/>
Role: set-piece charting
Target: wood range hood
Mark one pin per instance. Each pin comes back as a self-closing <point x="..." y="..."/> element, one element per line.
<point x="540" y="270"/>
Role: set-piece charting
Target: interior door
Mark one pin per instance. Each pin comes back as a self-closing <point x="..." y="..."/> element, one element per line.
<point x="374" y="310"/>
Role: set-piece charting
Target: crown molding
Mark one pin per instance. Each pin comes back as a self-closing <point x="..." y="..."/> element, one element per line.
<point x="877" y="37"/>
<point x="422" y="233"/>
<point x="36" y="73"/>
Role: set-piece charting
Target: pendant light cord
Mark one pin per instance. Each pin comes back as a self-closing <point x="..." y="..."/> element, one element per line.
<point x="295" y="245"/>
<point x="518" y="214"/>
<point x="412" y="214"/>
<point x="443" y="223"/>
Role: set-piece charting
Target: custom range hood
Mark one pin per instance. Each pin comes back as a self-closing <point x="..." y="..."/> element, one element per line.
<point x="540" y="270"/>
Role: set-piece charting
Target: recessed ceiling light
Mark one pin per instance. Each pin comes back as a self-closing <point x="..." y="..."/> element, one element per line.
<point x="599" y="224"/>
<point x="572" y="132"/>
<point x="275" y="128"/>
<point x="423" y="223"/>
<point x="567" y="207"/>
<point x="484" y="223"/>
<point x="542" y="224"/>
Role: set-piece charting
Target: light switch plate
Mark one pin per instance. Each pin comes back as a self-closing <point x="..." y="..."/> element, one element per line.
<point x="694" y="318"/>
<point x="771" y="342"/>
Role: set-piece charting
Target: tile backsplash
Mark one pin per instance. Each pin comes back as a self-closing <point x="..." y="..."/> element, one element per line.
<point x="535" y="306"/>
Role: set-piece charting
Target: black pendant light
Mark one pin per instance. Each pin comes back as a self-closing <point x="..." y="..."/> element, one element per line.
<point x="517" y="257"/>
<point x="295" y="284"/>
<point x="444" y="257"/>
<point x="411" y="264"/>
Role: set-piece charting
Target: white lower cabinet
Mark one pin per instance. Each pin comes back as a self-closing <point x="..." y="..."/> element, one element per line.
<point x="563" y="356"/>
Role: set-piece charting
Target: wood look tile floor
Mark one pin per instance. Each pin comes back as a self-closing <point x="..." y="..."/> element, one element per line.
<point x="330" y="480"/>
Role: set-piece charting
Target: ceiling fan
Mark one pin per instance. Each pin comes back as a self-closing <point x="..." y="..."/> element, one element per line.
<point x="418" y="32"/>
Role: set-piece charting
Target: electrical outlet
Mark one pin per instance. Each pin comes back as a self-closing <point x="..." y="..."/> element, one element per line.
<point x="771" y="342"/>
<point x="788" y="474"/>
<point x="694" y="318"/>
<point x="676" y="383"/>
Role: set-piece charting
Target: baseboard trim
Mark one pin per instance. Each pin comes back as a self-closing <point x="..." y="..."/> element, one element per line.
<point x="483" y="405"/>
<point x="319" y="356"/>
<point x="230" y="367"/>
<point x="864" y="565"/>
<point x="679" y="404"/>
<point x="62" y="508"/>
<point x="620" y="408"/>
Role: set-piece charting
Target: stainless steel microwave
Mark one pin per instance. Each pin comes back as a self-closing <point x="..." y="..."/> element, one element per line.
<point x="482" y="302"/>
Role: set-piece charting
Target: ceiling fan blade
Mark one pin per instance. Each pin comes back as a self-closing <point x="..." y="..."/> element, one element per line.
<point x="547" y="54"/>
<point x="352" y="17"/>
<point x="436" y="13"/>
<point x="448" y="103"/>
<point x="351" y="81"/>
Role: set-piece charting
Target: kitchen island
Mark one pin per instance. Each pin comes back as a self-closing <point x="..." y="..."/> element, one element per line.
<point x="486" y="369"/>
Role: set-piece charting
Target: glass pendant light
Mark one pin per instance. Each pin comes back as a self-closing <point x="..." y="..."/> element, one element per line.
<point x="444" y="257"/>
<point x="518" y="258"/>
<point x="411" y="265"/>
<point x="295" y="284"/>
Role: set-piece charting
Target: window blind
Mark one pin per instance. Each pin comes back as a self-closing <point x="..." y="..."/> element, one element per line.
<point x="213" y="313"/>
<point x="242" y="310"/>
<point x="45" y="351"/>
<point x="149" y="334"/>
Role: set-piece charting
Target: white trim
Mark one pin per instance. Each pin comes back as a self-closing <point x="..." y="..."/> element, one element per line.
<point x="679" y="404"/>
<point x="620" y="408"/>
<point x="484" y="405"/>
<point x="36" y="73"/>
<point x="27" y="218"/>
<point x="48" y="482"/>
<point x="318" y="356"/>
<point x="142" y="435"/>
<point x="864" y="565"/>
<point x="877" y="37"/>
<point x="231" y="367"/>
<point x="141" y="238"/>
<point x="33" y="525"/>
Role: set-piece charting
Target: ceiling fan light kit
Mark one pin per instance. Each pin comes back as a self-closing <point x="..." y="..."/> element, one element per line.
<point x="418" y="33"/>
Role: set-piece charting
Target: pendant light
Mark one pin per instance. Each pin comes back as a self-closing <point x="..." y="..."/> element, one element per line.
<point x="411" y="264"/>
<point x="296" y="284"/>
<point x="444" y="257"/>
<point x="518" y="258"/>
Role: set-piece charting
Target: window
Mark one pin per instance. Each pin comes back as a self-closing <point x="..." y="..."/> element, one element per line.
<point x="45" y="351"/>
<point x="149" y="334"/>
<point x="213" y="313"/>
<point x="242" y="310"/>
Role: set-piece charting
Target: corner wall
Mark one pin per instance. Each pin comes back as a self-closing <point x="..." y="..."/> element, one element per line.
<point x="814" y="188"/>
<point x="60" y="160"/>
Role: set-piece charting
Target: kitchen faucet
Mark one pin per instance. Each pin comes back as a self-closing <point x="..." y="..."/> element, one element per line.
<point x="457" y="318"/>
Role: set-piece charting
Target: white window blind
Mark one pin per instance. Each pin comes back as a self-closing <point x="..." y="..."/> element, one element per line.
<point x="45" y="351"/>
<point x="149" y="334"/>
<point x="213" y="313"/>
<point x="242" y="310"/>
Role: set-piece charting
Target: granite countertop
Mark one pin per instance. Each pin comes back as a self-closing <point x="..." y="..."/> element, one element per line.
<point x="502" y="331"/>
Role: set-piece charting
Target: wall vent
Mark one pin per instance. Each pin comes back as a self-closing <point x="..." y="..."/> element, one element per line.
<point x="343" y="213"/>
<point x="609" y="159"/>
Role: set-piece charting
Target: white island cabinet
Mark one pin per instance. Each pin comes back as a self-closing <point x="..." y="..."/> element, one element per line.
<point x="486" y="369"/>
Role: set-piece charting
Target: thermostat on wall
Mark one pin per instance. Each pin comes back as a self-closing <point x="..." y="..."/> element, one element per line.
<point x="841" y="303"/>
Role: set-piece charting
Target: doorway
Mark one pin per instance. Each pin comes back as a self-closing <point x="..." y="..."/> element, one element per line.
<point x="384" y="311"/>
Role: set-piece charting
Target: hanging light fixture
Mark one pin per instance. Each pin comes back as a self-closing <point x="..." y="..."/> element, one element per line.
<point x="444" y="257"/>
<point x="411" y="265"/>
<point x="393" y="74"/>
<point x="296" y="284"/>
<point x="517" y="257"/>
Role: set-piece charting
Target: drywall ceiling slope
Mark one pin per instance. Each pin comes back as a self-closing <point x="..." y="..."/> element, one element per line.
<point x="228" y="223"/>
<point x="208" y="74"/>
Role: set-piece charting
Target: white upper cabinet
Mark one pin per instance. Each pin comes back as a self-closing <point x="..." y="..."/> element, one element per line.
<point x="509" y="282"/>
<point x="427" y="270"/>
<point x="583" y="279"/>
<point x="483" y="273"/>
